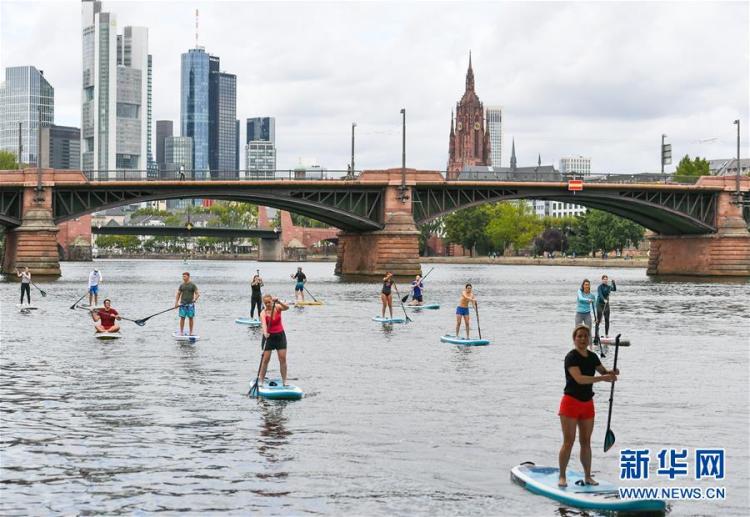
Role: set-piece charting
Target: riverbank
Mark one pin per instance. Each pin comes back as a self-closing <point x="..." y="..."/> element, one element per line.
<point x="199" y="256"/>
<point x="539" y="261"/>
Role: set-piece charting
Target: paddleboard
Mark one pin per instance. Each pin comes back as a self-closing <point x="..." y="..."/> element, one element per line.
<point x="250" y="322"/>
<point x="107" y="336"/>
<point x="425" y="306"/>
<point x="604" y="496"/>
<point x="185" y="339"/>
<point x="26" y="307"/>
<point x="388" y="320"/>
<point x="611" y="341"/>
<point x="463" y="341"/>
<point x="303" y="304"/>
<point x="273" y="389"/>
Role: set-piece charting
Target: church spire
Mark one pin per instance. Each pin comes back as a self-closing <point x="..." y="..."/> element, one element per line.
<point x="513" y="155"/>
<point x="452" y="133"/>
<point x="539" y="161"/>
<point x="470" y="76"/>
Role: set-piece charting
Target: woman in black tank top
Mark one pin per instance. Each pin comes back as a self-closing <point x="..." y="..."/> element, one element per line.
<point x="385" y="294"/>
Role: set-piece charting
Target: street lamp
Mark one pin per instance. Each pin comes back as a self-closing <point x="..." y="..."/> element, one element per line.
<point x="351" y="172"/>
<point x="402" y="189"/>
<point x="737" y="176"/>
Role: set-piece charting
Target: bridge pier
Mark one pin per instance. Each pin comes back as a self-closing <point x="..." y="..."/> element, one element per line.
<point x="34" y="243"/>
<point x="724" y="253"/>
<point x="270" y="250"/>
<point x="395" y="248"/>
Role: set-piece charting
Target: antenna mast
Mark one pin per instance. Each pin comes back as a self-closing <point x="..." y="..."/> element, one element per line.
<point x="196" y="28"/>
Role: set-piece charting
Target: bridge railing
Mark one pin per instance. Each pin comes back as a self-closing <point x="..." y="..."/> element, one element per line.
<point x="222" y="175"/>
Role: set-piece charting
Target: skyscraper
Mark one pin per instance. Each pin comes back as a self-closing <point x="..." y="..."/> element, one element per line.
<point x="61" y="147"/>
<point x="222" y="119"/>
<point x="260" y="159"/>
<point x="194" y="106"/>
<point x="261" y="128"/>
<point x="237" y="146"/>
<point x="495" y="123"/>
<point x="24" y="93"/>
<point x="164" y="129"/>
<point x="116" y="94"/>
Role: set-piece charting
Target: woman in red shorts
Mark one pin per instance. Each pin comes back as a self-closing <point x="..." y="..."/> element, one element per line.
<point x="577" y="404"/>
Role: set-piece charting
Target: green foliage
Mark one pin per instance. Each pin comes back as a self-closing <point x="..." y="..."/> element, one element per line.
<point x="688" y="168"/>
<point x="434" y="227"/>
<point x="307" y="222"/>
<point x="150" y="211"/>
<point x="467" y="227"/>
<point x="123" y="242"/>
<point x="512" y="224"/>
<point x="597" y="231"/>
<point x="8" y="161"/>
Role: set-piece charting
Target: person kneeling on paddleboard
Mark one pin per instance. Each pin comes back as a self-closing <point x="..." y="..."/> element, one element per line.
<point x="462" y="311"/>
<point x="417" y="287"/>
<point x="106" y="318"/>
<point x="577" y="404"/>
<point x="274" y="337"/>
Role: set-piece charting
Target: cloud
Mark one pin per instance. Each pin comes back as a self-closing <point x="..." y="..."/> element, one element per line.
<point x="598" y="79"/>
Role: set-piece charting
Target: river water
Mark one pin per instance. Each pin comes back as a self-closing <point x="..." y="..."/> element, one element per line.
<point x="394" y="422"/>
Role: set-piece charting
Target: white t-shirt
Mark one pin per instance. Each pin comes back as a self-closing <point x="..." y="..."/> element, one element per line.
<point x="25" y="277"/>
<point x="94" y="278"/>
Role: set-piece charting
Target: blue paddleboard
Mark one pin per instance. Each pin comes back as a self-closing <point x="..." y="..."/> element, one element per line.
<point x="425" y="306"/>
<point x="250" y="322"/>
<point x="463" y="341"/>
<point x="388" y="320"/>
<point x="604" y="496"/>
<point x="272" y="389"/>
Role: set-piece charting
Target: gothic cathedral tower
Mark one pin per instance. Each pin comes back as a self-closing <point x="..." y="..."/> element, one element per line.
<point x="469" y="143"/>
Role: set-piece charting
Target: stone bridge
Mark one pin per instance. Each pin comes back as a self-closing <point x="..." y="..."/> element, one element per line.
<point x="699" y="229"/>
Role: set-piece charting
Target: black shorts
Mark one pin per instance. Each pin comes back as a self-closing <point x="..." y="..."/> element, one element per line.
<point x="418" y="298"/>
<point x="276" y="342"/>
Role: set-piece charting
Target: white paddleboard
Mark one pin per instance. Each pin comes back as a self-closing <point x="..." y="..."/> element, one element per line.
<point x="250" y="322"/>
<point x="184" y="338"/>
<point x="604" y="496"/>
<point x="424" y="306"/>
<point x="274" y="390"/>
<point x="388" y="320"/>
<point x="463" y="341"/>
<point x="25" y="307"/>
<point x="107" y="336"/>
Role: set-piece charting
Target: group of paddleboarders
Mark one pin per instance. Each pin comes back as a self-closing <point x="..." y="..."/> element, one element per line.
<point x="576" y="409"/>
<point x="598" y="304"/>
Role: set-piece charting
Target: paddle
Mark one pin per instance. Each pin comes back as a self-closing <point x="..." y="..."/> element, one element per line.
<point x="78" y="300"/>
<point x="44" y="294"/>
<point x="597" y="341"/>
<point x="308" y="292"/>
<point x="254" y="388"/>
<point x="97" y="310"/>
<point x="141" y="322"/>
<point x="479" y="327"/>
<point x="408" y="319"/>
<point x="609" y="437"/>
<point x="403" y="300"/>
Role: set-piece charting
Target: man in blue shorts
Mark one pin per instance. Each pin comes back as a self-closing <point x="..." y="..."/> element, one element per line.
<point x="462" y="310"/>
<point x="187" y="295"/>
<point x="94" y="278"/>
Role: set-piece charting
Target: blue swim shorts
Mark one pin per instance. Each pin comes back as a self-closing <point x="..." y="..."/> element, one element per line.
<point x="462" y="311"/>
<point x="300" y="286"/>
<point x="187" y="311"/>
<point x="94" y="289"/>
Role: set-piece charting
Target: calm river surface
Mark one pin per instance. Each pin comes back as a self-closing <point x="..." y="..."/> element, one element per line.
<point x="394" y="422"/>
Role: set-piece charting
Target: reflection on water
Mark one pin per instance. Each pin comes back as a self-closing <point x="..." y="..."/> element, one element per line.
<point x="394" y="422"/>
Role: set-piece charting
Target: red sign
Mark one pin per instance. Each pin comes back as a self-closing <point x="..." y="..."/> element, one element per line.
<point x="575" y="185"/>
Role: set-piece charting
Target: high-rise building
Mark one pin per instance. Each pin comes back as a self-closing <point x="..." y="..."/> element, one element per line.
<point x="578" y="165"/>
<point x="116" y="94"/>
<point x="237" y="146"/>
<point x="469" y="143"/>
<point x="260" y="159"/>
<point x="61" y="147"/>
<point x="194" y="106"/>
<point x="164" y="129"/>
<point x="495" y="123"/>
<point x="261" y="128"/>
<point x="178" y="155"/>
<point x="23" y="95"/>
<point x="222" y="120"/>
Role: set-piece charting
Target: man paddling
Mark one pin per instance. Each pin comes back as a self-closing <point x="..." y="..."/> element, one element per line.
<point x="462" y="310"/>
<point x="187" y="295"/>
<point x="106" y="318"/>
<point x="602" y="304"/>
<point x="95" y="278"/>
<point x="299" y="287"/>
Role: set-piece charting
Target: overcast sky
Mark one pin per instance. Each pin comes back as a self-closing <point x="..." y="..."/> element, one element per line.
<point x="599" y="79"/>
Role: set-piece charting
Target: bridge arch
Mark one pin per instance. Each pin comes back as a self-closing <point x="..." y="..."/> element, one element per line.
<point x="663" y="211"/>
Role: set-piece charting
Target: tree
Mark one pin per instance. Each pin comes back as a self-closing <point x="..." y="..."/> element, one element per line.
<point x="688" y="169"/>
<point x="8" y="161"/>
<point x="150" y="211"/>
<point x="512" y="224"/>
<point x="466" y="227"/>
<point x="123" y="242"/>
<point x="550" y="241"/>
<point x="427" y="230"/>
<point x="596" y="230"/>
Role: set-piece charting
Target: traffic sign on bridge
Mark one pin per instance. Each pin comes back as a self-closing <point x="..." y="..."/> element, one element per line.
<point x="575" y="185"/>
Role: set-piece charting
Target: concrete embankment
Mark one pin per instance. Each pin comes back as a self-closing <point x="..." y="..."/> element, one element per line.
<point x="531" y="261"/>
